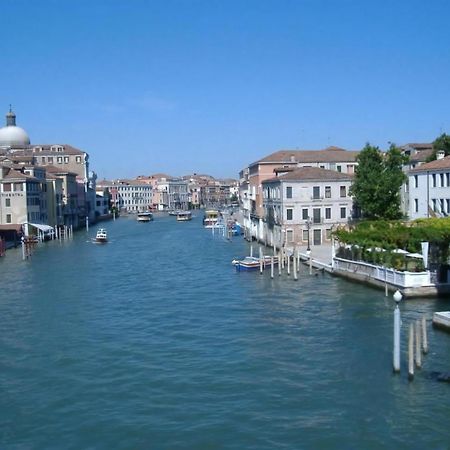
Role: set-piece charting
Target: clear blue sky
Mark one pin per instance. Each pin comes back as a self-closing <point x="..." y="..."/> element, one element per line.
<point x="209" y="86"/>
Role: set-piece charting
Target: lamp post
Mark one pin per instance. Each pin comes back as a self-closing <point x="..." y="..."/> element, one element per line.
<point x="396" y="356"/>
<point x="308" y="249"/>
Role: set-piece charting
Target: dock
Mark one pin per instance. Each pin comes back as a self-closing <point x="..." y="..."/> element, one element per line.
<point x="442" y="320"/>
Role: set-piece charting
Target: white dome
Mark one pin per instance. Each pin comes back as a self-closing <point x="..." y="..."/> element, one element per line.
<point x="12" y="135"/>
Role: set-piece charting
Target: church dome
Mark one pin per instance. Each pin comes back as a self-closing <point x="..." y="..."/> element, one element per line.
<point x="12" y="135"/>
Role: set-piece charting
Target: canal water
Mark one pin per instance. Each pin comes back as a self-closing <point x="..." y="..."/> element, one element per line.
<point x="154" y="341"/>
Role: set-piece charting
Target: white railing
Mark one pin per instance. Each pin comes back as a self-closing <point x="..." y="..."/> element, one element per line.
<point x="384" y="274"/>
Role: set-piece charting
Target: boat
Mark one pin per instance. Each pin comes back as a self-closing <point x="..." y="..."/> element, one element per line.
<point x="144" y="217"/>
<point x="253" y="263"/>
<point x="183" y="216"/>
<point x="211" y="218"/>
<point x="101" y="236"/>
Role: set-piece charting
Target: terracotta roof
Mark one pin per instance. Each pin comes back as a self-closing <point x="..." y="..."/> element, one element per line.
<point x="58" y="170"/>
<point x="312" y="174"/>
<point x="158" y="176"/>
<point x="438" y="164"/>
<point x="16" y="175"/>
<point x="330" y="154"/>
<point x="68" y="149"/>
<point x="418" y="146"/>
<point x="421" y="156"/>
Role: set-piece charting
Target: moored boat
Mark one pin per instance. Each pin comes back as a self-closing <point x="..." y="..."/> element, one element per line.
<point x="144" y="217"/>
<point x="253" y="263"/>
<point x="183" y="216"/>
<point x="101" y="236"/>
<point x="211" y="218"/>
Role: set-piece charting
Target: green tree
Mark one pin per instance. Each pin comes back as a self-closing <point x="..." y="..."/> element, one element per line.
<point x="377" y="182"/>
<point x="440" y="143"/>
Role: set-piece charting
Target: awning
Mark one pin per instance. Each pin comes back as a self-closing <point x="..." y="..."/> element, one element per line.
<point x="40" y="226"/>
<point x="415" y="255"/>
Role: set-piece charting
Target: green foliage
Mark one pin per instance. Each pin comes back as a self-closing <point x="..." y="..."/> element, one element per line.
<point x="440" y="143"/>
<point x="390" y="235"/>
<point x="377" y="182"/>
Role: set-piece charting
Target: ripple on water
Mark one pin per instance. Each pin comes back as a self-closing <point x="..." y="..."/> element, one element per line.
<point x="154" y="341"/>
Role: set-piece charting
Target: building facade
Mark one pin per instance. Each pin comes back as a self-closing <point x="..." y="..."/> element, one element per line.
<point x="302" y="207"/>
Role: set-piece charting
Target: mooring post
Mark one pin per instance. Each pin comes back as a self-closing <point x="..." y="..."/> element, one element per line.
<point x="411" y="352"/>
<point x="23" y="249"/>
<point x="288" y="263"/>
<point x="418" y="346"/>
<point x="260" y="261"/>
<point x="251" y="251"/>
<point x="295" y="268"/>
<point x="271" y="266"/>
<point x="396" y="361"/>
<point x="279" y="263"/>
<point x="424" y="335"/>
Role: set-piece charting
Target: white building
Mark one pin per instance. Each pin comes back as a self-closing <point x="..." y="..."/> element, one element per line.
<point x="129" y="195"/>
<point x="429" y="189"/>
<point x="301" y="207"/>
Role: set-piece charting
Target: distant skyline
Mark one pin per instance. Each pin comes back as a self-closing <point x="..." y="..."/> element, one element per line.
<point x="210" y="86"/>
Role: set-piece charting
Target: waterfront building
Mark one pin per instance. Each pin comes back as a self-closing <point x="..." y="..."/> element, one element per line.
<point x="252" y="177"/>
<point x="71" y="213"/>
<point x="302" y="206"/>
<point x="129" y="195"/>
<point x="22" y="199"/>
<point x="102" y="203"/>
<point x="178" y="194"/>
<point x="429" y="189"/>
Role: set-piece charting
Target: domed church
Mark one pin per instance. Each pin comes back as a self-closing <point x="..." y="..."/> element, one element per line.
<point x="12" y="135"/>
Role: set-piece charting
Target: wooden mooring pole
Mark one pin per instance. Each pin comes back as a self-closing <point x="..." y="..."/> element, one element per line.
<point x="411" y="353"/>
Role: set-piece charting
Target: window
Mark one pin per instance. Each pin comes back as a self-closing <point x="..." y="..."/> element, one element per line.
<point x="8" y="218"/>
<point x="50" y="159"/>
<point x="288" y="192"/>
<point x="305" y="235"/>
<point x="343" y="191"/>
<point x="442" y="179"/>
<point x="327" y="191"/>
<point x="78" y="159"/>
<point x="6" y="187"/>
<point x="416" y="205"/>
<point x="327" y="213"/>
<point x="289" y="214"/>
<point x="328" y="234"/>
<point x="59" y="159"/>
<point x="18" y="187"/>
<point x="416" y="181"/>
<point x="305" y="214"/>
<point x="316" y="215"/>
<point x="343" y="213"/>
<point x="43" y="160"/>
<point x="66" y="159"/>
<point x="316" y="192"/>
<point x="289" y="235"/>
<point x="322" y="167"/>
<point x="434" y="204"/>
<point x="339" y="168"/>
<point x="7" y="202"/>
<point x="434" y="179"/>
<point x="447" y="178"/>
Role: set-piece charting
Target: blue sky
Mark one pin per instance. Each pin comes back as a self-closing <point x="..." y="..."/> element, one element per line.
<point x="209" y="86"/>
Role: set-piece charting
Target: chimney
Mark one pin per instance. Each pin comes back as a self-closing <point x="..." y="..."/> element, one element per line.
<point x="440" y="154"/>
